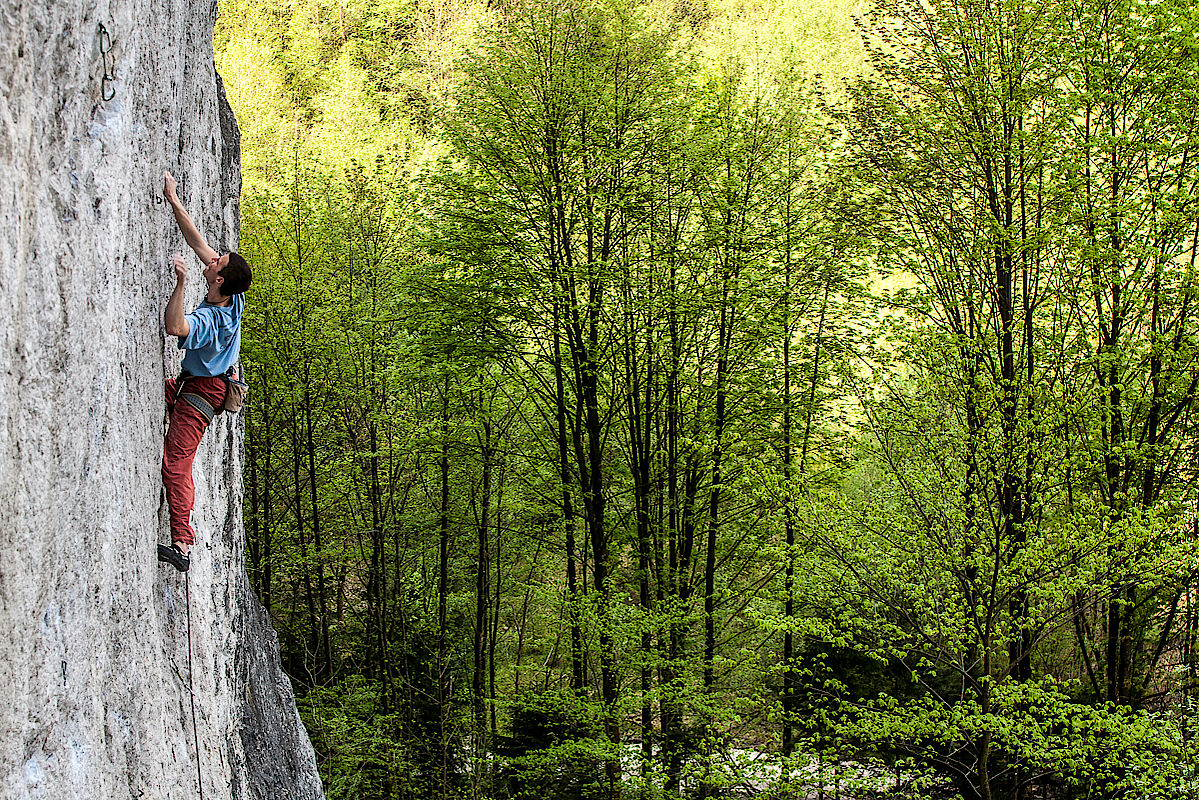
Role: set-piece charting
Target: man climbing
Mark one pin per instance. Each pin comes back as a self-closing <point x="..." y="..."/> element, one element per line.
<point x="211" y="335"/>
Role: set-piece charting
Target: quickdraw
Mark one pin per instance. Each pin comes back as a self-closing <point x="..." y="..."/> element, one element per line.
<point x="106" y="92"/>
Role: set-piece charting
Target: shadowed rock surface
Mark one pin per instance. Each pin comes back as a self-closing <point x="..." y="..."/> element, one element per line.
<point x="93" y="631"/>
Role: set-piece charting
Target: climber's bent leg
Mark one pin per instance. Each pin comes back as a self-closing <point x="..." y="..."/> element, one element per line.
<point x="183" y="437"/>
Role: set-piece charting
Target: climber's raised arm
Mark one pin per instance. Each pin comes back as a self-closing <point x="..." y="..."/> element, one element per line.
<point x="191" y="234"/>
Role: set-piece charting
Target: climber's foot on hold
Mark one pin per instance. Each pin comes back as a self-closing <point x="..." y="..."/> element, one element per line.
<point x="171" y="554"/>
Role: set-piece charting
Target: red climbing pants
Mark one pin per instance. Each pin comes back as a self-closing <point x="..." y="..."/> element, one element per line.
<point x="183" y="437"/>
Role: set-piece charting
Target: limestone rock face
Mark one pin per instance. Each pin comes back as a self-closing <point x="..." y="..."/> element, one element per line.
<point x="94" y="646"/>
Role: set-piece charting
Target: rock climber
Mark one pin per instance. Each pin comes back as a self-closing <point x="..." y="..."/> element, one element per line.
<point x="211" y="337"/>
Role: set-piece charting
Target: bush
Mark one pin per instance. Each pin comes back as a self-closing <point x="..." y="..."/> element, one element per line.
<point x="556" y="750"/>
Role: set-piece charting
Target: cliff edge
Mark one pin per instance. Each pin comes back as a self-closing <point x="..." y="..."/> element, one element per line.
<point x="97" y="98"/>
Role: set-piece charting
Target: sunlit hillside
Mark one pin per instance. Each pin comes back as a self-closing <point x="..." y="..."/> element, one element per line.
<point x="358" y="79"/>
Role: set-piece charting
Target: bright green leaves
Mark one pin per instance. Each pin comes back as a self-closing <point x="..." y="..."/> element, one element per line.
<point x="1028" y="507"/>
<point x="584" y="395"/>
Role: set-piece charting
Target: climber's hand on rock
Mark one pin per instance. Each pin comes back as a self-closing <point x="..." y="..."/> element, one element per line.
<point x="168" y="186"/>
<point x="191" y="234"/>
<point x="180" y="267"/>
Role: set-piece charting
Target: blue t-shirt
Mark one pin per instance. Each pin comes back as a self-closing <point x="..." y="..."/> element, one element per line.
<point x="213" y="340"/>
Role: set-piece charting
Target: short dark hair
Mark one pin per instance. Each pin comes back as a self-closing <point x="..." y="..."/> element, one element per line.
<point x="236" y="274"/>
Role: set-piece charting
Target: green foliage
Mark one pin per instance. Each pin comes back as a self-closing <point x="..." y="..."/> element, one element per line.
<point x="556" y="749"/>
<point x="582" y="463"/>
<point x="357" y="739"/>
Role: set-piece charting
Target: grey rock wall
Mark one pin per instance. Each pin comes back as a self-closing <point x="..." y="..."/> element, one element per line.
<point x="94" y="696"/>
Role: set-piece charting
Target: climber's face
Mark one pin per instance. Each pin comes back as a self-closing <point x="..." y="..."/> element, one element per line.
<point x="212" y="272"/>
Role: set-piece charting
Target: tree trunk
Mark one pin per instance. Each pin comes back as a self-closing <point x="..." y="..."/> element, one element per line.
<point x="443" y="591"/>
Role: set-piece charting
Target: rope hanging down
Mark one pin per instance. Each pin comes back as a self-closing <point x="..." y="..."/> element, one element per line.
<point x="106" y="91"/>
<point x="190" y="690"/>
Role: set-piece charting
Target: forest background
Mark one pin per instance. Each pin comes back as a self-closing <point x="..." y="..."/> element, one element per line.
<point x="724" y="398"/>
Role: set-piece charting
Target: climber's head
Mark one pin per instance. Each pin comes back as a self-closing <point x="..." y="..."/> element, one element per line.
<point x="229" y="274"/>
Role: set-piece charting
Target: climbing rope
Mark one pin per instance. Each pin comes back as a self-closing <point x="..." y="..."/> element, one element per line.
<point x="106" y="92"/>
<point x="190" y="690"/>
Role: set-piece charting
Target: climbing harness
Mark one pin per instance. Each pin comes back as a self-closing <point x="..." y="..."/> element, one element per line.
<point x="106" y="92"/>
<point x="236" y="391"/>
<point x="192" y="399"/>
<point x="187" y="593"/>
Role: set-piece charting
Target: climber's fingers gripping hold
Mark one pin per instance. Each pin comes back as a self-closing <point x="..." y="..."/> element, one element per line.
<point x="168" y="185"/>
<point x="180" y="267"/>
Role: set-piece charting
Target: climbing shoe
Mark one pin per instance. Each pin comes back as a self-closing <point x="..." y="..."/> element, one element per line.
<point x="171" y="554"/>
